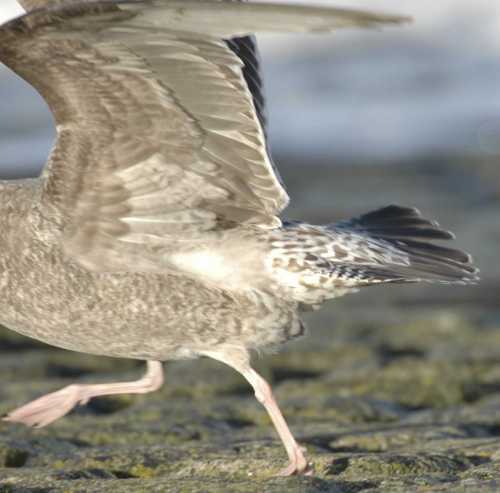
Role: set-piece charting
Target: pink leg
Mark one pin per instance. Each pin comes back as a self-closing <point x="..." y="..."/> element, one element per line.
<point x="50" y="407"/>
<point x="240" y="362"/>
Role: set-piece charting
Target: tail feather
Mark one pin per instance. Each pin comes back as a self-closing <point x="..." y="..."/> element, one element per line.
<point x="406" y="230"/>
<point x="431" y="252"/>
<point x="409" y="231"/>
<point x="401" y="221"/>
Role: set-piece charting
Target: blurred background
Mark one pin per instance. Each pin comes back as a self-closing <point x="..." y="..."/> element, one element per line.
<point x="407" y="115"/>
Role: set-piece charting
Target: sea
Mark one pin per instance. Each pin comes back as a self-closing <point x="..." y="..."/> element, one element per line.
<point x="428" y="87"/>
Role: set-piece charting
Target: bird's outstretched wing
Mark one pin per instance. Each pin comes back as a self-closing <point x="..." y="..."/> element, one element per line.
<point x="159" y="140"/>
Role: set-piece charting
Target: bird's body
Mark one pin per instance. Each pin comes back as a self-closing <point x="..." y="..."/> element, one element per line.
<point x="131" y="315"/>
<point x="155" y="231"/>
<point x="245" y="287"/>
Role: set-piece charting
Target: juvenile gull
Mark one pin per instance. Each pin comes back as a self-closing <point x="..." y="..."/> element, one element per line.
<point x="154" y="230"/>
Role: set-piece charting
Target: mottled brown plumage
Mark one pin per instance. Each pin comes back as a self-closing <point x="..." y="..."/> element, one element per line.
<point x="154" y="232"/>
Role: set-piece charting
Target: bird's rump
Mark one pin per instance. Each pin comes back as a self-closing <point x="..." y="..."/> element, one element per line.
<point x="389" y="245"/>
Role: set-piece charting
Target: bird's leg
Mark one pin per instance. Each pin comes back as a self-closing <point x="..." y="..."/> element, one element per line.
<point x="298" y="463"/>
<point x="264" y="394"/>
<point x="50" y="407"/>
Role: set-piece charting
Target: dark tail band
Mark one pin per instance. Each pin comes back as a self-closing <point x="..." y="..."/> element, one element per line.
<point x="406" y="229"/>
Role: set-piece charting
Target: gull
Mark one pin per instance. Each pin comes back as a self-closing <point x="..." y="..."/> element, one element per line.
<point x="155" y="231"/>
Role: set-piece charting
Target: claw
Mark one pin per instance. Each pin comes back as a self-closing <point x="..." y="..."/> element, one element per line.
<point x="299" y="466"/>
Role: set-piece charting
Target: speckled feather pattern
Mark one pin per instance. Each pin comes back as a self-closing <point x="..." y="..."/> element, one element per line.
<point x="316" y="264"/>
<point x="159" y="317"/>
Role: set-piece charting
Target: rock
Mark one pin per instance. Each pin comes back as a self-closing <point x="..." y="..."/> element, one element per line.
<point x="388" y="396"/>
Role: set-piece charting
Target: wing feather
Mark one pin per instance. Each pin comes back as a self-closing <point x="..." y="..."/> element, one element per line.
<point x="160" y="139"/>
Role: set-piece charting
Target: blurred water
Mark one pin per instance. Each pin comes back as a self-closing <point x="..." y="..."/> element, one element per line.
<point x="428" y="88"/>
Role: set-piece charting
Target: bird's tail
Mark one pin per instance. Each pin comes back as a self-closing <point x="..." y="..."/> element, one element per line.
<point x="408" y="233"/>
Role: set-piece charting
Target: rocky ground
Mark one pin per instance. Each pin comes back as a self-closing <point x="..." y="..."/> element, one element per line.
<point x="395" y="389"/>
